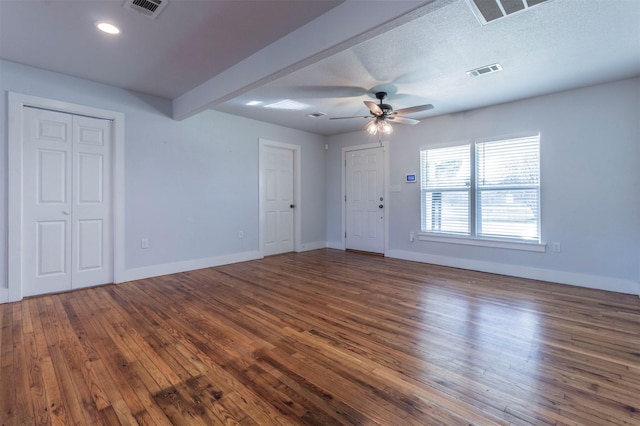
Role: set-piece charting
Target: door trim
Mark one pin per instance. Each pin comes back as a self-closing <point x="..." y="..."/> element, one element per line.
<point x="297" y="193"/>
<point x="17" y="103"/>
<point x="385" y="161"/>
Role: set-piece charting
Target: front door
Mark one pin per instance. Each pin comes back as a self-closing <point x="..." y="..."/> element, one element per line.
<point x="67" y="219"/>
<point x="277" y="200"/>
<point x="365" y="200"/>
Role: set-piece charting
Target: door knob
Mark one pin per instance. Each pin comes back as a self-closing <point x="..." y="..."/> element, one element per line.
<point x="292" y="205"/>
<point x="380" y="206"/>
<point x="65" y="213"/>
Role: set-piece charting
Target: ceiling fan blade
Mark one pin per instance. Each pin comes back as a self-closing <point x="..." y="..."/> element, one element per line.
<point x="374" y="108"/>
<point x="355" y="116"/>
<point x="403" y="120"/>
<point x="411" y="110"/>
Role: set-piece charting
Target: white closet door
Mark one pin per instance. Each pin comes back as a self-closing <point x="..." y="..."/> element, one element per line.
<point x="67" y="236"/>
<point x="92" y="224"/>
<point x="46" y="225"/>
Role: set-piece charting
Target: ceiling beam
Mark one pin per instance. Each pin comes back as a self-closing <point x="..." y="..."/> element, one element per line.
<point x="342" y="27"/>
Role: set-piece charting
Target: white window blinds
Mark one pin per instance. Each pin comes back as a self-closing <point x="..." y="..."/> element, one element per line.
<point x="508" y="188"/>
<point x="445" y="183"/>
<point x="486" y="189"/>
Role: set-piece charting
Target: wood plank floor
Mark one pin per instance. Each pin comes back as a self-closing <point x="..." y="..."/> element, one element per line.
<point x="323" y="337"/>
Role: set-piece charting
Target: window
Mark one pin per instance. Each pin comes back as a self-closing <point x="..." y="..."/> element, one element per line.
<point x="445" y="189"/>
<point x="487" y="189"/>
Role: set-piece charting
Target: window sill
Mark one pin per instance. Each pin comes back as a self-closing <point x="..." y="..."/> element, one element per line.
<point x="511" y="245"/>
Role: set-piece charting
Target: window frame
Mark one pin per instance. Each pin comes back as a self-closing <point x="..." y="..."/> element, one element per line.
<point x="472" y="238"/>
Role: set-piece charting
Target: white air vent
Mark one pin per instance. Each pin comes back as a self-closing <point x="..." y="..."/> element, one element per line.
<point x="150" y="8"/>
<point x="488" y="69"/>
<point x="489" y="10"/>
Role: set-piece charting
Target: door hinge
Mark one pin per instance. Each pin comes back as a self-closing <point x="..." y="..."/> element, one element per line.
<point x="345" y="198"/>
<point x="345" y="234"/>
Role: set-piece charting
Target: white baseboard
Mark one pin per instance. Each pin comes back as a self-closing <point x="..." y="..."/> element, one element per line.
<point x="313" y="246"/>
<point x="562" y="277"/>
<point x="335" y="245"/>
<point x="188" y="265"/>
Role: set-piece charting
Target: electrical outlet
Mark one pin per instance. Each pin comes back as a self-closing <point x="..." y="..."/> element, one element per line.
<point x="241" y="234"/>
<point x="144" y="243"/>
<point x="412" y="236"/>
<point x="556" y="248"/>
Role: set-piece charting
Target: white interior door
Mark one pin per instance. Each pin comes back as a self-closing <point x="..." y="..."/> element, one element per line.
<point x="91" y="215"/>
<point x="365" y="200"/>
<point x="67" y="230"/>
<point x="277" y="200"/>
<point x="47" y="153"/>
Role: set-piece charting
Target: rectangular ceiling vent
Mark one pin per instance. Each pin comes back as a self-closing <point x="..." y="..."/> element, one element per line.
<point x="489" y="10"/>
<point x="150" y="8"/>
<point x="488" y="69"/>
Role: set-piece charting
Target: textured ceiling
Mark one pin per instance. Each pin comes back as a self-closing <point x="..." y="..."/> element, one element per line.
<point x="327" y="55"/>
<point x="556" y="46"/>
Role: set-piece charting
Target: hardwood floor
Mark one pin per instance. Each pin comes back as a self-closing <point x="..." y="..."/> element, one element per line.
<point x="323" y="337"/>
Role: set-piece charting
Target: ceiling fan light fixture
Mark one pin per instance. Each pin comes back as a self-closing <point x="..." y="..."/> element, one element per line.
<point x="384" y="127"/>
<point x="379" y="126"/>
<point x="372" y="128"/>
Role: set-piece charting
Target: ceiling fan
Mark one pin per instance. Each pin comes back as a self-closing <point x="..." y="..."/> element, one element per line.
<point x="382" y="114"/>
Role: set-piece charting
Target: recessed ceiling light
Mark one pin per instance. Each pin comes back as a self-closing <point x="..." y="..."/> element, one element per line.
<point x="253" y="103"/>
<point x="108" y="28"/>
<point x="316" y="114"/>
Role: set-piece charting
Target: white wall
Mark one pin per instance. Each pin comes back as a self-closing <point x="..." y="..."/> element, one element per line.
<point x="190" y="185"/>
<point x="590" y="171"/>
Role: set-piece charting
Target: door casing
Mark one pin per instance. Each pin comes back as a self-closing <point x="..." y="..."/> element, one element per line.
<point x="17" y="103"/>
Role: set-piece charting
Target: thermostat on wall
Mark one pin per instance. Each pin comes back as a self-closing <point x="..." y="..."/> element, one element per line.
<point x="410" y="178"/>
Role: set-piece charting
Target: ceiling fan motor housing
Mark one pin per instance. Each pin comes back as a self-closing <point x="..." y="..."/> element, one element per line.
<point x="386" y="108"/>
